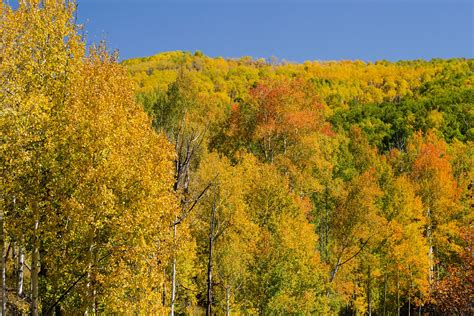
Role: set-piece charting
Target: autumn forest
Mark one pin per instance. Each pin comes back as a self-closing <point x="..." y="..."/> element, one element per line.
<point x="190" y="185"/>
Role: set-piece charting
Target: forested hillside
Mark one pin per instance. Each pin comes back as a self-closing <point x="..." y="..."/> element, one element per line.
<point x="184" y="184"/>
<point x="350" y="182"/>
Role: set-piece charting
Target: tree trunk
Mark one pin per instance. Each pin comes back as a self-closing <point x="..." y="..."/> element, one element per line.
<point x="326" y="224"/>
<point x="173" y="274"/>
<point x="409" y="305"/>
<point x="21" y="268"/>
<point x="91" y="289"/>
<point x="398" y="292"/>
<point x="57" y="310"/>
<point x="385" y="295"/>
<point x="227" y="301"/>
<point x="430" y="253"/>
<point x="3" y="266"/>
<point x="209" y="262"/>
<point x="369" y="302"/>
<point x="182" y="178"/>
<point x="182" y="164"/>
<point x="334" y="271"/>
<point x="35" y="269"/>
<point x="163" y="294"/>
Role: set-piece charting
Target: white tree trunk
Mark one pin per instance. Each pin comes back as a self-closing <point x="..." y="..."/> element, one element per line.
<point x="3" y="267"/>
<point x="35" y="273"/>
<point x="173" y="275"/>
<point x="227" y="301"/>
<point x="21" y="268"/>
<point x="431" y="252"/>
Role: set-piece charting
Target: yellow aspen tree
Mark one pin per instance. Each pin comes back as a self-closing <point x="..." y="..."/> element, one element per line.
<point x="233" y="235"/>
<point x="432" y="172"/>
<point x="407" y="261"/>
<point x="122" y="200"/>
<point x="87" y="182"/>
<point x="286" y="275"/>
<point x="40" y="53"/>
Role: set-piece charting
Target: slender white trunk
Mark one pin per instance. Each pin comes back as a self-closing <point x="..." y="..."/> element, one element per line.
<point x="3" y="267"/>
<point x="334" y="271"/>
<point x="369" y="302"/>
<point x="209" y="262"/>
<point x="409" y="305"/>
<point x="430" y="241"/>
<point x="91" y="275"/>
<point x="21" y="268"/>
<point x="173" y="275"/>
<point x="88" y="285"/>
<point x="385" y="295"/>
<point x="398" y="292"/>
<point x="227" y="301"/>
<point x="35" y="271"/>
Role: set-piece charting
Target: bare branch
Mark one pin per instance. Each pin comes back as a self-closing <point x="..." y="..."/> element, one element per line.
<point x="196" y="200"/>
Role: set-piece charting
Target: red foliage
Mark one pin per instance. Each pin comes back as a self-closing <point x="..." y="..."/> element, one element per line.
<point x="454" y="293"/>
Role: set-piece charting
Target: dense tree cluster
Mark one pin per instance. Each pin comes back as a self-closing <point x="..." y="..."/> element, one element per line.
<point x="86" y="196"/>
<point x="183" y="184"/>
<point x="371" y="168"/>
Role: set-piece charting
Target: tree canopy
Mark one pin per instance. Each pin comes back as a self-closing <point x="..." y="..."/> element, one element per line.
<point x="180" y="183"/>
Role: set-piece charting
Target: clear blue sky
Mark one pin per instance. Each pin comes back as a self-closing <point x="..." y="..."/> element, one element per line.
<point x="294" y="30"/>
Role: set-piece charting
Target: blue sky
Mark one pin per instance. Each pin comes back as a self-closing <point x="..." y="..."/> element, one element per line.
<point x="293" y="30"/>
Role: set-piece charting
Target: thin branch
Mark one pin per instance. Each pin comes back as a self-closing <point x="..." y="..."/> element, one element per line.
<point x="7" y="252"/>
<point x="339" y="263"/>
<point x="354" y="255"/>
<point x="71" y="287"/>
<point x="221" y="230"/>
<point x="181" y="218"/>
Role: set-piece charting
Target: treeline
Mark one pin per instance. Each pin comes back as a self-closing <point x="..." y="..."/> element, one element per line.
<point x="251" y="187"/>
